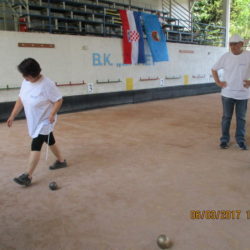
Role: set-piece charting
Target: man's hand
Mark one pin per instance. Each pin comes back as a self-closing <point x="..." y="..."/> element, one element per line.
<point x="222" y="84"/>
<point x="217" y="79"/>
<point x="246" y="83"/>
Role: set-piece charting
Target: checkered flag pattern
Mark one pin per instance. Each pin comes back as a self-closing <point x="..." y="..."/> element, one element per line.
<point x="133" y="36"/>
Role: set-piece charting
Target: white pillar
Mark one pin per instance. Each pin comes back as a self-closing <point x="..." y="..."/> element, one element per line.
<point x="226" y="18"/>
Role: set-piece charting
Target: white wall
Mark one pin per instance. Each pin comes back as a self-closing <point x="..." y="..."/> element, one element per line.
<point x="90" y="59"/>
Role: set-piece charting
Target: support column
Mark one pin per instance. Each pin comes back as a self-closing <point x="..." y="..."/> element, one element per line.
<point x="226" y="19"/>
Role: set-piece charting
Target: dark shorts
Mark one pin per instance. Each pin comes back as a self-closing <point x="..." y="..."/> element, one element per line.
<point x="37" y="143"/>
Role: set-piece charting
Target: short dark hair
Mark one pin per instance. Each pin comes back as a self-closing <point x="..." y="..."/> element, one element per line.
<point x="29" y="67"/>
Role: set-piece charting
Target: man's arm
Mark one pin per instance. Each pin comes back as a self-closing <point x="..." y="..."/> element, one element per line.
<point x="217" y="79"/>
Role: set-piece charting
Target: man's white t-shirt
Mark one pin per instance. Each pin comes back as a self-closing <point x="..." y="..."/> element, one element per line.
<point x="236" y="69"/>
<point x="38" y="99"/>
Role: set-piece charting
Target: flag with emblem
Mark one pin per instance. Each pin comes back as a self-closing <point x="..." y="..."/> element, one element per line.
<point x="133" y="43"/>
<point x="155" y="37"/>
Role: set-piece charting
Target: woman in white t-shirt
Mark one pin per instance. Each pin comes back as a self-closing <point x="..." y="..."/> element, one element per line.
<point x="41" y="101"/>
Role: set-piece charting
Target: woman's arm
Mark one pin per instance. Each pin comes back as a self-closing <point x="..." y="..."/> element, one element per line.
<point x="57" y="105"/>
<point x="16" y="110"/>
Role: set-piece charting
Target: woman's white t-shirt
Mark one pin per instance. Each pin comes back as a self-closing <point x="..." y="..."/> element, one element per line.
<point x="38" y="99"/>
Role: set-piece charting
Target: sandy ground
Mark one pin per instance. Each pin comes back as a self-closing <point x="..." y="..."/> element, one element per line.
<point x="135" y="172"/>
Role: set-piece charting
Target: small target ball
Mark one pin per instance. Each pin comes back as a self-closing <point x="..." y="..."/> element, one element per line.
<point x="53" y="185"/>
<point x="164" y="242"/>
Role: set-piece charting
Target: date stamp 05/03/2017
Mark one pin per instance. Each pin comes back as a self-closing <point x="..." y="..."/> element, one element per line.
<point x="219" y="214"/>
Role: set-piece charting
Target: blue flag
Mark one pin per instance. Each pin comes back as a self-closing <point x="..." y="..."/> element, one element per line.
<point x="155" y="37"/>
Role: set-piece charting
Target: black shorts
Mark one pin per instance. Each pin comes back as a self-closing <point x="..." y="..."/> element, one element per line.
<point x="37" y="142"/>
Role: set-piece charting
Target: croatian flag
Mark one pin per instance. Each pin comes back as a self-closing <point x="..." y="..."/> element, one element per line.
<point x="155" y="37"/>
<point x="133" y="43"/>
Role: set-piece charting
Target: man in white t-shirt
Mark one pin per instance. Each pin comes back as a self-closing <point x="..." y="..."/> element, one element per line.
<point x="41" y="101"/>
<point x="234" y="90"/>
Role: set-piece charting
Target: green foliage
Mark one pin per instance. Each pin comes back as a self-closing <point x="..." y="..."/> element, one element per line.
<point x="240" y="18"/>
<point x="210" y="12"/>
<point x="207" y="17"/>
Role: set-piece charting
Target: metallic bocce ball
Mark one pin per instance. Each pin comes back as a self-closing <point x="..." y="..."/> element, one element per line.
<point x="53" y="185"/>
<point x="163" y="242"/>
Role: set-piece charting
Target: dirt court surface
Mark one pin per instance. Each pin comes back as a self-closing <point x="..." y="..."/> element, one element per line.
<point x="135" y="172"/>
